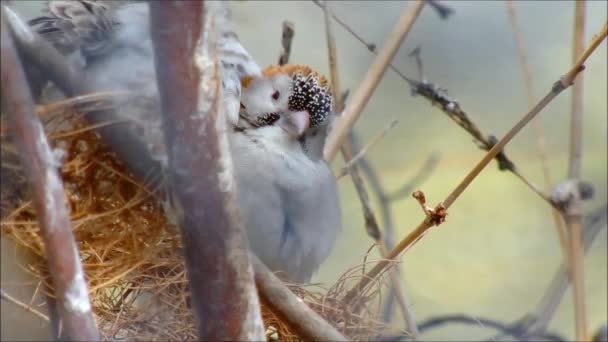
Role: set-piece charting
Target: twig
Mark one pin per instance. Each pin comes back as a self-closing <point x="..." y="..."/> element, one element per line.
<point x="559" y="86"/>
<point x="284" y="304"/>
<point x="22" y="305"/>
<point x="286" y="38"/>
<point x="537" y="124"/>
<point x="40" y="168"/>
<point x="573" y="212"/>
<point x="223" y="294"/>
<point x="361" y="153"/>
<point x="372" y="78"/>
<point x="371" y="222"/>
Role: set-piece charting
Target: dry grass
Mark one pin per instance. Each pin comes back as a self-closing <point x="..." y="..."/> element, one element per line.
<point x="131" y="252"/>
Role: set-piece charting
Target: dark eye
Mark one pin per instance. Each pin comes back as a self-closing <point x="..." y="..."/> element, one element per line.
<point x="275" y="95"/>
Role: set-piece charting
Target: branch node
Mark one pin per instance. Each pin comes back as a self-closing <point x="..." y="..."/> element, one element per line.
<point x="435" y="216"/>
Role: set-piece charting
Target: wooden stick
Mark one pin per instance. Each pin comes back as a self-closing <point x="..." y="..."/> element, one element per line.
<point x="224" y="297"/>
<point x="372" y="78"/>
<point x="291" y="309"/>
<point x="573" y="211"/>
<point x="429" y="221"/>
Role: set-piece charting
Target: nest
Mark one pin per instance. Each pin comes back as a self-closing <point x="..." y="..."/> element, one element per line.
<point x="130" y="251"/>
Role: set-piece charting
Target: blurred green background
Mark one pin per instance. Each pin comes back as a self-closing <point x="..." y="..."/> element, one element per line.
<point x="498" y="250"/>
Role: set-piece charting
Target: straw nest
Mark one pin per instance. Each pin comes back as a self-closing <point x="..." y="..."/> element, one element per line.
<point x="129" y="250"/>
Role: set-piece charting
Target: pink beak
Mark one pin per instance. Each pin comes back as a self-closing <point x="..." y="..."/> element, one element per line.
<point x="297" y="123"/>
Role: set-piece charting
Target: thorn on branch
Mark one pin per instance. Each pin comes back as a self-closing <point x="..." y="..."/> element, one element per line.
<point x="437" y="215"/>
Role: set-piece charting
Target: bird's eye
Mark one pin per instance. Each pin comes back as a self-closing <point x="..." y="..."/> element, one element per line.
<point x="275" y="95"/>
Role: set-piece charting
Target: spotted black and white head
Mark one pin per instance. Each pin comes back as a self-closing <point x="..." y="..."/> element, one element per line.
<point x="292" y="96"/>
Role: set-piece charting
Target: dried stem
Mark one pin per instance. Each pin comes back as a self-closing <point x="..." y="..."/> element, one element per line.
<point x="361" y="153"/>
<point x="537" y="124"/>
<point x="40" y="168"/>
<point x="22" y="305"/>
<point x="372" y="78"/>
<point x="286" y="38"/>
<point x="428" y="222"/>
<point x="573" y="214"/>
<point x="224" y="296"/>
<point x="371" y="222"/>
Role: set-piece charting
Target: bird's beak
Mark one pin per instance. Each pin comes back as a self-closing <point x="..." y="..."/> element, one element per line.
<point x="296" y="123"/>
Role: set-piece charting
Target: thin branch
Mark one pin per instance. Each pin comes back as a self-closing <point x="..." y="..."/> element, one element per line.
<point x="430" y="220"/>
<point x="361" y="153"/>
<point x="40" y="168"/>
<point x="22" y="305"/>
<point x="372" y="78"/>
<point x="286" y="38"/>
<point x="224" y="297"/>
<point x="573" y="211"/>
<point x="371" y="222"/>
<point x="537" y="124"/>
<point x="291" y="309"/>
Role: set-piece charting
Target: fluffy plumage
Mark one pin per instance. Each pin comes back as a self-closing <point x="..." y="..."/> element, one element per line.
<point x="287" y="194"/>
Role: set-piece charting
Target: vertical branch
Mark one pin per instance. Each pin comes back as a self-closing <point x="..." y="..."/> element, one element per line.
<point x="573" y="212"/>
<point x="372" y="78"/>
<point x="286" y="38"/>
<point x="537" y="124"/>
<point x="371" y="222"/>
<point x="224" y="297"/>
<point x="40" y="169"/>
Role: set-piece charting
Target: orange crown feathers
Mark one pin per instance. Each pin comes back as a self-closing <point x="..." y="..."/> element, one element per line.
<point x="291" y="70"/>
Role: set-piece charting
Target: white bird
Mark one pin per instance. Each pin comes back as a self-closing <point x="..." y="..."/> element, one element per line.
<point x="287" y="194"/>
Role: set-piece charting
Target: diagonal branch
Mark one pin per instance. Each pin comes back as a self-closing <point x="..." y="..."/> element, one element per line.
<point x="558" y="87"/>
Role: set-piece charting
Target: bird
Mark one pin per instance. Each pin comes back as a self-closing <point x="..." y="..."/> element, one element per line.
<point x="287" y="193"/>
<point x="280" y="115"/>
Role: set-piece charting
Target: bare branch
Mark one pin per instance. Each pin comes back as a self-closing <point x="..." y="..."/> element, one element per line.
<point x="537" y="124"/>
<point x="40" y="168"/>
<point x="429" y="220"/>
<point x="372" y="78"/>
<point x="22" y="305"/>
<point x="286" y="38"/>
<point x="284" y="304"/>
<point x="224" y="298"/>
<point x="573" y="213"/>
<point x="355" y="159"/>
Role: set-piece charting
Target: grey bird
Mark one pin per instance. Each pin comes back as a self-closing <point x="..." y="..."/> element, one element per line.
<point x="287" y="194"/>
